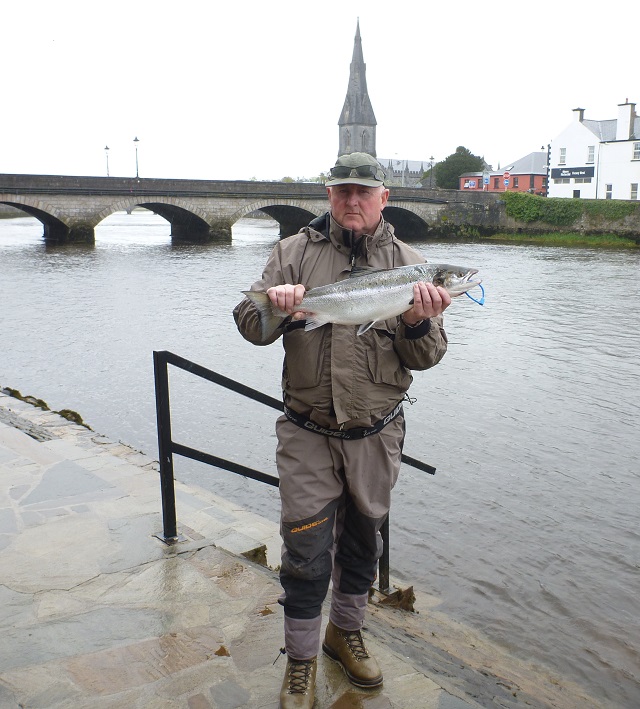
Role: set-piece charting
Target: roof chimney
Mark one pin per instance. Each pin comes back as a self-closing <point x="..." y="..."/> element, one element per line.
<point x="579" y="114"/>
<point x="626" y="117"/>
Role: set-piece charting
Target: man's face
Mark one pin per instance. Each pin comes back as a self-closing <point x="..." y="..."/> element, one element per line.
<point x="357" y="207"/>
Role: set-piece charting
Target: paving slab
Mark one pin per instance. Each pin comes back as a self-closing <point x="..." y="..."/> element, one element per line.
<point x="97" y="612"/>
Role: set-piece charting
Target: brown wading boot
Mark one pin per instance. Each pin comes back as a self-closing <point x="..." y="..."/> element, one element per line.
<point x="347" y="648"/>
<point x="299" y="684"/>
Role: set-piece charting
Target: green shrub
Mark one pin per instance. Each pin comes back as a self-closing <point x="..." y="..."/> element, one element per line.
<point x="523" y="207"/>
<point x="560" y="212"/>
<point x="610" y="209"/>
<point x="557" y="211"/>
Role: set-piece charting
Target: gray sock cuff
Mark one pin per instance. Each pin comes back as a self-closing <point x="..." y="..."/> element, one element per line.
<point x="348" y="610"/>
<point x="302" y="637"/>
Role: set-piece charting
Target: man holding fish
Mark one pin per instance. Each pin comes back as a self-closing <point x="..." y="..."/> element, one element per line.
<point x="355" y="316"/>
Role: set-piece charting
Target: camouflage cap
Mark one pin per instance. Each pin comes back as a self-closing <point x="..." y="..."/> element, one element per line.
<point x="356" y="169"/>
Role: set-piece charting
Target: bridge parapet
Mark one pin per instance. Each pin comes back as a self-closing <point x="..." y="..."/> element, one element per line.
<point x="70" y="207"/>
<point x="198" y="210"/>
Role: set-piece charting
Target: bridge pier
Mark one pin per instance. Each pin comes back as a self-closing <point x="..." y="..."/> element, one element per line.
<point x="200" y="232"/>
<point x="57" y="233"/>
<point x="81" y="234"/>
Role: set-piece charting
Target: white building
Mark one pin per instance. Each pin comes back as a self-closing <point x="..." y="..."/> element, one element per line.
<point x="597" y="159"/>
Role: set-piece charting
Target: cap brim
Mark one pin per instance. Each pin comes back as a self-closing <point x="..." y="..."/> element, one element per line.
<point x="353" y="181"/>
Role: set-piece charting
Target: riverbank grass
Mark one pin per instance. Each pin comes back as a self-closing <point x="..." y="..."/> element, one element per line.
<point x="567" y="239"/>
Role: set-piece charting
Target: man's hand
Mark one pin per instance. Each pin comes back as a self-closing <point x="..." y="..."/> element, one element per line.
<point x="428" y="301"/>
<point x="287" y="298"/>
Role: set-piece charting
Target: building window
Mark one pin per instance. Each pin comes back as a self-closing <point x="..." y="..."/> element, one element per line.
<point x="515" y="182"/>
<point x="634" y="190"/>
<point x="591" y="153"/>
<point x="561" y="181"/>
<point x="609" y="191"/>
<point x="582" y="179"/>
<point x="563" y="156"/>
<point x="532" y="181"/>
<point x="636" y="151"/>
<point x="496" y="183"/>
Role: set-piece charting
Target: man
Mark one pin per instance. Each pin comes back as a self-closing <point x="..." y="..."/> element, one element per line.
<point x="336" y="480"/>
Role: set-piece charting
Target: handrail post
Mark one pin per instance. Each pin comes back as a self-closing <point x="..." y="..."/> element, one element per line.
<point x="383" y="563"/>
<point x="165" y="452"/>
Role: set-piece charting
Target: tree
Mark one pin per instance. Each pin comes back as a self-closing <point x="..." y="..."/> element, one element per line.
<point x="449" y="170"/>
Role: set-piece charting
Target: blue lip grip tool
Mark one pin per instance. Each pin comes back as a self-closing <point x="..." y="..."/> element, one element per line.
<point x="480" y="300"/>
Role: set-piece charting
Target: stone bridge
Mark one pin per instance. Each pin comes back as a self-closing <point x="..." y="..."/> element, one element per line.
<point x="204" y="210"/>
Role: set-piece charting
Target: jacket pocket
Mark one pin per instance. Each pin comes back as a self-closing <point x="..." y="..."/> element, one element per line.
<point x="303" y="357"/>
<point x="383" y="362"/>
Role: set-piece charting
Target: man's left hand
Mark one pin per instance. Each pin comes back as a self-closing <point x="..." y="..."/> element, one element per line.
<point x="428" y="302"/>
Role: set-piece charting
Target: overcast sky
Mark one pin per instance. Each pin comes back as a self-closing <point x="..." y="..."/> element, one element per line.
<point x="239" y="89"/>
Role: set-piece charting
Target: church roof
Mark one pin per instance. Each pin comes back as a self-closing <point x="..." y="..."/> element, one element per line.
<point x="390" y="165"/>
<point x="357" y="107"/>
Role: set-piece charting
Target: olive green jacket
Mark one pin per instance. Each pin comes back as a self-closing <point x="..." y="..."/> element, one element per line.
<point x="330" y="374"/>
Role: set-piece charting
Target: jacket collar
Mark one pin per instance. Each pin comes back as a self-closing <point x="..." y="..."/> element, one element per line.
<point x="340" y="237"/>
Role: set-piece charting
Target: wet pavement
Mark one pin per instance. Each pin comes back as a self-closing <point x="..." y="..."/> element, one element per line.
<point x="97" y="612"/>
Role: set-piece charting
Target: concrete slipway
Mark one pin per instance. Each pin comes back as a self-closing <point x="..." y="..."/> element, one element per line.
<point x="96" y="612"/>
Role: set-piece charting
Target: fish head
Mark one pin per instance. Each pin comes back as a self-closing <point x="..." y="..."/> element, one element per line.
<point x="456" y="280"/>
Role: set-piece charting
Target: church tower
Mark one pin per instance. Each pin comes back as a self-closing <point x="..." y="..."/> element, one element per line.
<point x="357" y="124"/>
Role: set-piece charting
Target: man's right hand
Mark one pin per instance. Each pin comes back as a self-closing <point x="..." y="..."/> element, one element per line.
<point x="288" y="298"/>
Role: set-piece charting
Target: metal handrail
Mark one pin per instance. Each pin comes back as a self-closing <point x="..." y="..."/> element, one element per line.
<point x="167" y="448"/>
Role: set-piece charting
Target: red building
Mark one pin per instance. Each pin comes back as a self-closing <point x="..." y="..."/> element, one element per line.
<point x="529" y="174"/>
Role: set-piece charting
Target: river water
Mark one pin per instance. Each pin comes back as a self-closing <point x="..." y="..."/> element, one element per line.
<point x="528" y="533"/>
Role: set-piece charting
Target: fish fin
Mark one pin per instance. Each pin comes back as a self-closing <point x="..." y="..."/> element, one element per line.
<point x="312" y="323"/>
<point x="271" y="318"/>
<point x="366" y="326"/>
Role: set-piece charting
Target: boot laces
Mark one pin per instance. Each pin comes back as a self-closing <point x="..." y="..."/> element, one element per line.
<point x="354" y="641"/>
<point x="299" y="671"/>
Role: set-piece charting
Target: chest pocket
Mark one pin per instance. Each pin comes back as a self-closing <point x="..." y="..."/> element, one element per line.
<point x="383" y="362"/>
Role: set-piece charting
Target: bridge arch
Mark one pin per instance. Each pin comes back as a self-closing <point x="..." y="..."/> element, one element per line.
<point x="54" y="227"/>
<point x="290" y="216"/>
<point x="409" y="225"/>
<point x="187" y="222"/>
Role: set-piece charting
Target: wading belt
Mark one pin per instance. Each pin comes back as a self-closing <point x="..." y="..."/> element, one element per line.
<point x="346" y="434"/>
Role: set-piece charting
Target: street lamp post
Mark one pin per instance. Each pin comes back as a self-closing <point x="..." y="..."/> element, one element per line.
<point x="431" y="172"/>
<point x="106" y="152"/>
<point x="135" y="142"/>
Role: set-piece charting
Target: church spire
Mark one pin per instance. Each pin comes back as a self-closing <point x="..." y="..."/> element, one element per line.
<point x="357" y="123"/>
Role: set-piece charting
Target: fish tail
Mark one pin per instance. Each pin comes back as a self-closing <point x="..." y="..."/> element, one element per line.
<point x="270" y="317"/>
